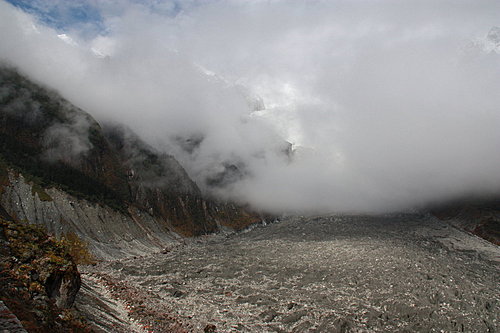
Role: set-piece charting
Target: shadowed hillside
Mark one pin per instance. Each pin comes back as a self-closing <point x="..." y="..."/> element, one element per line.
<point x="61" y="169"/>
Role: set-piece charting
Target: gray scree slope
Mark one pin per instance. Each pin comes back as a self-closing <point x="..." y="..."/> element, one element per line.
<point x="400" y="273"/>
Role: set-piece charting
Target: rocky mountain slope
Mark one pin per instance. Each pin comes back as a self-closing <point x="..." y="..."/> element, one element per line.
<point x="62" y="169"/>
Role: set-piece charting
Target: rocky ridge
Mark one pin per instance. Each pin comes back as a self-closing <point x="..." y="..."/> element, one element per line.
<point x="62" y="169"/>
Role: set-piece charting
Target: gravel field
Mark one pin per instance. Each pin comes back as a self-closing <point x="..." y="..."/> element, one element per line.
<point x="395" y="273"/>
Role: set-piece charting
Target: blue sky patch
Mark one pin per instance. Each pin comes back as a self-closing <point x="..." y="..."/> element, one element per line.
<point x="64" y="15"/>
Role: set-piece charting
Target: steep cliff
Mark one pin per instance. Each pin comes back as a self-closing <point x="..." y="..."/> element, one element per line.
<point x="61" y="169"/>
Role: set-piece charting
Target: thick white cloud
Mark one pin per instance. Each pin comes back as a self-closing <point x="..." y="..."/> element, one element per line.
<point x="389" y="109"/>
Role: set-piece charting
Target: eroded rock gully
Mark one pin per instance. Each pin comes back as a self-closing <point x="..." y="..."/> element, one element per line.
<point x="326" y="274"/>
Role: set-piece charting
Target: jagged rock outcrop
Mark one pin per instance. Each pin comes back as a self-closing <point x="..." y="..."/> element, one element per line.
<point x="61" y="169"/>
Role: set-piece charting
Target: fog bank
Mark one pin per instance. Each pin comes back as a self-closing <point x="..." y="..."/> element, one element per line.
<point x="388" y="105"/>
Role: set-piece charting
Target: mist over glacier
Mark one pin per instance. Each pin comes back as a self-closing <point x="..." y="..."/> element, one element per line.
<point x="389" y="105"/>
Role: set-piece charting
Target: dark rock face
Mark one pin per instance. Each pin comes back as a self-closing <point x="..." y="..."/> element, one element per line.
<point x="159" y="185"/>
<point x="63" y="286"/>
<point x="479" y="217"/>
<point x="146" y="166"/>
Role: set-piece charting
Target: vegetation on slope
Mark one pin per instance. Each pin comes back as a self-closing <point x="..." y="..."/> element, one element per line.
<point x="39" y="278"/>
